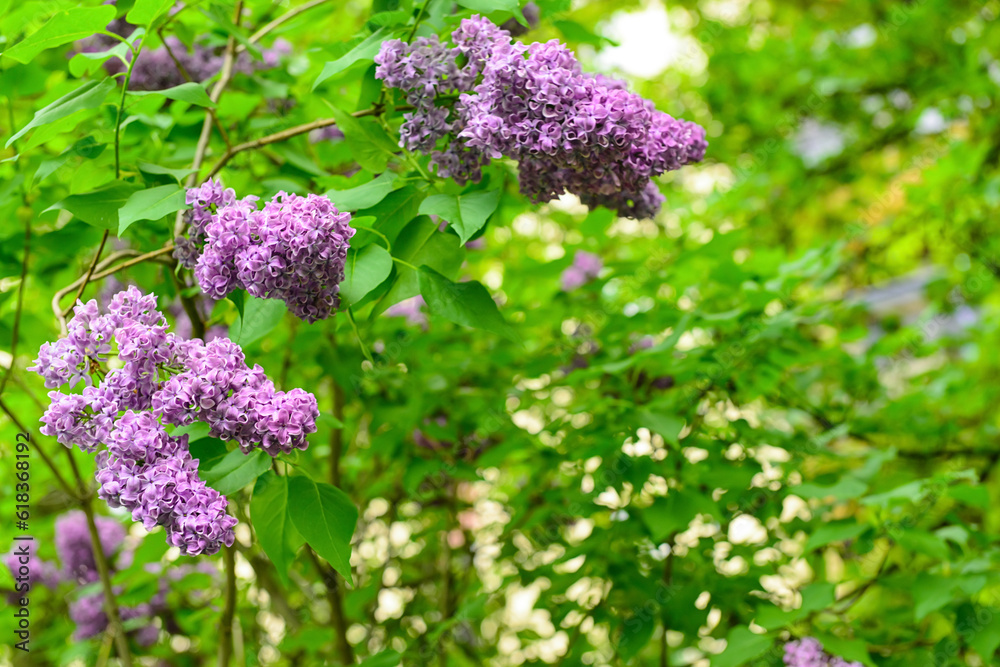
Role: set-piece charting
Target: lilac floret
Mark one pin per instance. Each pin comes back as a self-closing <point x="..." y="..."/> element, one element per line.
<point x="808" y="652"/>
<point x="585" y="267"/>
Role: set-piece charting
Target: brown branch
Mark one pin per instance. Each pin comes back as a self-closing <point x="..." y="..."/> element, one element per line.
<point x="90" y="272"/>
<point x="104" y="273"/>
<point x="284" y="18"/>
<point x="283" y="135"/>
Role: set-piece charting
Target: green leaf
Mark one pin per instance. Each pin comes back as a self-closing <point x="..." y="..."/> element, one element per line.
<point x="636" y="633"/>
<point x="259" y="317"/>
<point x="742" y="646"/>
<point x="487" y="6"/>
<point x="144" y="12"/>
<point x="87" y="148"/>
<point x="151" y="204"/>
<point x="86" y="62"/>
<point x="930" y="593"/>
<point x="186" y="92"/>
<point x="668" y="426"/>
<point x="923" y="542"/>
<point x="468" y="304"/>
<point x="845" y="489"/>
<point x="235" y="470"/>
<point x="87" y="96"/>
<point x="179" y="173"/>
<point x="66" y="26"/>
<point x="420" y="244"/>
<point x="389" y="19"/>
<point x="465" y="213"/>
<point x="986" y="641"/>
<point x="99" y="207"/>
<point x="575" y="32"/>
<point x="272" y="523"/>
<point x="835" y="532"/>
<point x="325" y="517"/>
<point x="368" y="141"/>
<point x="364" y="271"/>
<point x="366" y="50"/>
<point x="848" y="649"/>
<point x="674" y="512"/>
<point x="209" y="451"/>
<point x="393" y="214"/>
<point x="383" y="659"/>
<point x="365" y="195"/>
<point x="194" y="432"/>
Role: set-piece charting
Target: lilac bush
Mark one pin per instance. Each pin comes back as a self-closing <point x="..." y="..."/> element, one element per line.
<point x="294" y="249"/>
<point x="570" y="131"/>
<point x="160" y="378"/>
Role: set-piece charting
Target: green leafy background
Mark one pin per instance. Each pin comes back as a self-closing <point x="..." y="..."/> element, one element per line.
<point x="809" y="446"/>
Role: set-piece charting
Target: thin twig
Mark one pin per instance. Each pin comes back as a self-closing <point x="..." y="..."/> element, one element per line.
<point x="284" y="18"/>
<point x="15" y="332"/>
<point x="228" y="611"/>
<point x="101" y="560"/>
<point x="86" y="278"/>
<point x="283" y="135"/>
<point x="104" y="273"/>
<point x="206" y="128"/>
<point x="41" y="452"/>
<point x="337" y="618"/>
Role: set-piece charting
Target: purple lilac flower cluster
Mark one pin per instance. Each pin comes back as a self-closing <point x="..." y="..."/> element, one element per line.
<point x="164" y="67"/>
<point x="570" y="131"/>
<point x="808" y="652"/>
<point x="79" y="567"/>
<point x="585" y="267"/>
<point x="160" y="378"/>
<point x="294" y="249"/>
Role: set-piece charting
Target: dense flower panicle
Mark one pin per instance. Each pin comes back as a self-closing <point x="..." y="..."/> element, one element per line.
<point x="237" y="402"/>
<point x="294" y="249"/>
<point x="91" y="620"/>
<point x="79" y="567"/>
<point x="585" y="267"/>
<point x="204" y="201"/>
<point x="569" y="131"/>
<point x="161" y="376"/>
<point x="152" y="475"/>
<point x="36" y="571"/>
<point x="808" y="652"/>
<point x="74" y="546"/>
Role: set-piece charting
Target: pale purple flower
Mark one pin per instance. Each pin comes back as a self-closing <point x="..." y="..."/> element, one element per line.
<point x="585" y="267"/>
<point x="411" y="309"/>
<point x="808" y="652"/>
